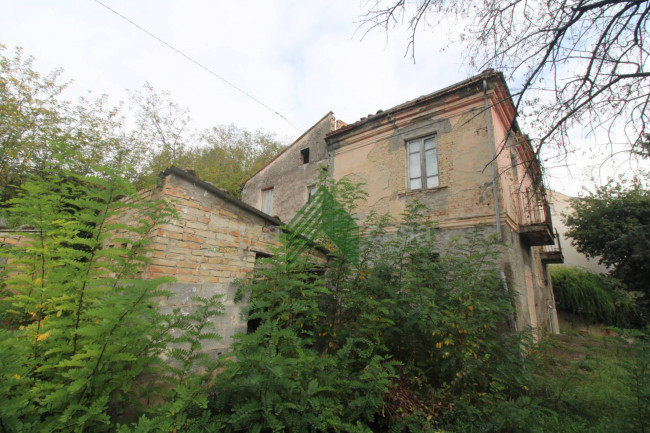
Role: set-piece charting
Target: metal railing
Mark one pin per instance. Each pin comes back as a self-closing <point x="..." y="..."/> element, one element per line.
<point x="533" y="207"/>
<point x="556" y="247"/>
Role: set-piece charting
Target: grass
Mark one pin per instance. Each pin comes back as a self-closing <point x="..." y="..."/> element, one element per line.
<point x="593" y="383"/>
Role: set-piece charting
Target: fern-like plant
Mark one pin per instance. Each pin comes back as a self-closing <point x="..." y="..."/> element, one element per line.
<point x="78" y="329"/>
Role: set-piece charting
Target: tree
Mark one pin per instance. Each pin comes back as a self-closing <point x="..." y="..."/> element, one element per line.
<point x="613" y="224"/>
<point x="35" y="121"/>
<point x="582" y="63"/>
<point x="228" y="155"/>
<point x="223" y="155"/>
<point x="162" y="125"/>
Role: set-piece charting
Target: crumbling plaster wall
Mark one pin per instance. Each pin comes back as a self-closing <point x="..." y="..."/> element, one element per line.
<point x="376" y="155"/>
<point x="288" y="177"/>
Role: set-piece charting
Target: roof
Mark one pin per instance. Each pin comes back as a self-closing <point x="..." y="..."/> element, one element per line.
<point x="220" y="194"/>
<point x="485" y="75"/>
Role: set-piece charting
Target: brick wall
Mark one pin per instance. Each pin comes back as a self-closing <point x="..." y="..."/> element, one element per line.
<point x="210" y="246"/>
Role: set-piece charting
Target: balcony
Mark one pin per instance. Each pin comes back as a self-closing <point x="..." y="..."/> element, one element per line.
<point x="535" y="226"/>
<point x="553" y="253"/>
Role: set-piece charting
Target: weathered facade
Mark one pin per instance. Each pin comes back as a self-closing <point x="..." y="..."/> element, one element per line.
<point x="451" y="150"/>
<point x="214" y="242"/>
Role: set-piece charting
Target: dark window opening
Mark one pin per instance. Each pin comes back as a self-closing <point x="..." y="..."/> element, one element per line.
<point x="253" y="324"/>
<point x="304" y="156"/>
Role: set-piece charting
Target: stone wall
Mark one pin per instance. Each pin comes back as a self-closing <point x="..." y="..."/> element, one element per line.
<point x="288" y="175"/>
<point x="213" y="243"/>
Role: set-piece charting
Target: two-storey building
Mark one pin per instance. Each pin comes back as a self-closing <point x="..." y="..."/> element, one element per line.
<point x="460" y="152"/>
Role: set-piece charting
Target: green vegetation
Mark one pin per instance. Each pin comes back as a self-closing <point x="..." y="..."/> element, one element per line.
<point x="613" y="223"/>
<point x="81" y="340"/>
<point x="593" y="297"/>
<point x="594" y="384"/>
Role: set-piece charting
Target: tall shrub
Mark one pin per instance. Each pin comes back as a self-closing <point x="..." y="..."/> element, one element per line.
<point x="594" y="297"/>
<point x="79" y="330"/>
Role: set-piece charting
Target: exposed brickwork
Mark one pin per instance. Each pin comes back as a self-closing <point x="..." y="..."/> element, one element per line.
<point x="211" y="242"/>
<point x="373" y="151"/>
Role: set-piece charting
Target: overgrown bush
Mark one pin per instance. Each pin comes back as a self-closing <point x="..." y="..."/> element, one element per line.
<point x="594" y="297"/>
<point x="410" y="340"/>
<point x="80" y="337"/>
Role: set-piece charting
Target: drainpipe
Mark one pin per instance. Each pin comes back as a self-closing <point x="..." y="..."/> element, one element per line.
<point x="513" y="322"/>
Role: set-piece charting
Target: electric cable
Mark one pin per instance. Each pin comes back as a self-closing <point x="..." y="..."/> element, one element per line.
<point x="198" y="64"/>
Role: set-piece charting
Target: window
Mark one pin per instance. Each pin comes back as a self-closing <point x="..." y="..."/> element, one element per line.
<point x="304" y="156"/>
<point x="311" y="192"/>
<point x="423" y="163"/>
<point x="267" y="201"/>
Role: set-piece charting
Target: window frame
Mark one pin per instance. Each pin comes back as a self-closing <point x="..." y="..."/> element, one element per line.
<point x="263" y="192"/>
<point x="424" y="176"/>
<point x="309" y="189"/>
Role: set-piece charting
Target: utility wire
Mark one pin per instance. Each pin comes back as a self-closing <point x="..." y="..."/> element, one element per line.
<point x="208" y="70"/>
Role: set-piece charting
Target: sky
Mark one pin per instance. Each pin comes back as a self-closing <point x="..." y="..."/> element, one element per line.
<point x="299" y="58"/>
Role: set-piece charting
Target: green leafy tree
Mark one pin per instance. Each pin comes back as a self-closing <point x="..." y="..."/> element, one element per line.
<point x="35" y="121"/>
<point x="613" y="224"/>
<point x="225" y="156"/>
<point x="81" y="341"/>
<point x="162" y="125"/>
<point x="228" y="155"/>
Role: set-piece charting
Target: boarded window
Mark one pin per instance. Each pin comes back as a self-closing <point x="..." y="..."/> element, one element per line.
<point x="267" y="201"/>
<point x="423" y="163"/>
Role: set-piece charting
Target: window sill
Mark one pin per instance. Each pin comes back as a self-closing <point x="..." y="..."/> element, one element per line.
<point x="419" y="191"/>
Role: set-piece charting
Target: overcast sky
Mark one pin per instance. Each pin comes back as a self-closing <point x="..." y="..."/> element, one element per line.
<point x="300" y="58"/>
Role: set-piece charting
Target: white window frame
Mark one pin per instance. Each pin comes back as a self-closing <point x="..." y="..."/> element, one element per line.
<point x="268" y="209"/>
<point x="417" y="147"/>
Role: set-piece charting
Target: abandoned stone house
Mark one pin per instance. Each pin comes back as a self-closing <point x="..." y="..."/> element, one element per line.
<point x="450" y="150"/>
<point x="214" y="242"/>
<point x="444" y="149"/>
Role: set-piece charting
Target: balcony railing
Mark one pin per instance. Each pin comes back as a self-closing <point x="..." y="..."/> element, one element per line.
<point x="553" y="253"/>
<point x="535" y="217"/>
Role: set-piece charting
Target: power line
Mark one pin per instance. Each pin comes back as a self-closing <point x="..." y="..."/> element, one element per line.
<point x="208" y="70"/>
